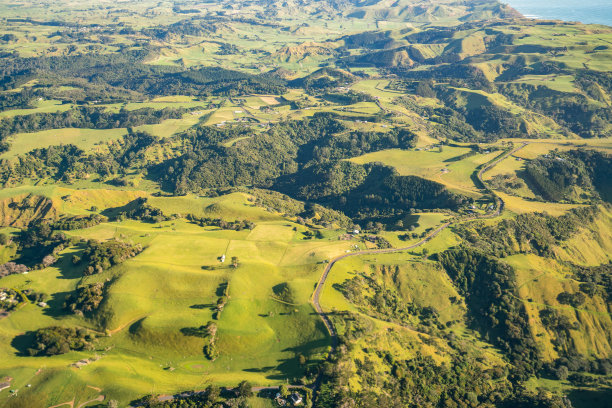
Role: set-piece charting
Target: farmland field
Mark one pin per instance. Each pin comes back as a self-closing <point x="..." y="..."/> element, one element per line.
<point x="303" y="203"/>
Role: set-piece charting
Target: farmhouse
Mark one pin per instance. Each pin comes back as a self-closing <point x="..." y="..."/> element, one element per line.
<point x="295" y="398"/>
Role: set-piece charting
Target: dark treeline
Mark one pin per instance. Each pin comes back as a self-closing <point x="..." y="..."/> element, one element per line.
<point x="418" y="381"/>
<point x="237" y="225"/>
<point x="364" y="192"/>
<point x="555" y="175"/>
<point x="85" y="299"/>
<point x="86" y="117"/>
<point x="263" y="157"/>
<point x="100" y="256"/>
<point x="489" y="288"/>
<point x="526" y="233"/>
<point x="18" y="100"/>
<point x="56" y="340"/>
<point x="300" y="158"/>
<point x="78" y="222"/>
<point x="571" y="110"/>
<point x="68" y="162"/>
<point x="128" y="71"/>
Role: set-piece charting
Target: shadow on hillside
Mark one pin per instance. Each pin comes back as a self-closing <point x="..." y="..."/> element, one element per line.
<point x="67" y="269"/>
<point x="22" y="342"/>
<point x="291" y="367"/>
<point x="113" y="212"/>
<point x="522" y="175"/>
<point x="222" y="289"/>
<point x="260" y="369"/>
<point x="203" y="306"/>
<point x="590" y="398"/>
<point x="55" y="305"/>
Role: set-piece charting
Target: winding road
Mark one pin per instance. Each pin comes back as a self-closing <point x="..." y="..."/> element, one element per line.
<point x="316" y="295"/>
<point x="321" y="284"/>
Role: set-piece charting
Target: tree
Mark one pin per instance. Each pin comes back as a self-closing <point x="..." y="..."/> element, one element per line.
<point x="562" y="373"/>
<point x="245" y="389"/>
<point x="235" y="261"/>
<point x="112" y="404"/>
<point x="4" y="239"/>
<point x="48" y="260"/>
<point x="284" y="390"/>
<point x="212" y="393"/>
<point x="425" y="89"/>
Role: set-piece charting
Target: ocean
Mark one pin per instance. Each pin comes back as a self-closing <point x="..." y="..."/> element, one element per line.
<point x="585" y="11"/>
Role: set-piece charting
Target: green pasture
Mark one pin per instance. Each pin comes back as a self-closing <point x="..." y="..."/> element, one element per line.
<point x="90" y="140"/>
<point x="44" y="106"/>
<point x="445" y="167"/>
<point x="171" y="286"/>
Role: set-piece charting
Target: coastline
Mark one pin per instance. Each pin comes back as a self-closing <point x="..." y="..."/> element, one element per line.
<point x="597" y="12"/>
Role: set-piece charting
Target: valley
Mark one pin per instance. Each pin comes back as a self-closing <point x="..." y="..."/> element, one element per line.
<point x="351" y="204"/>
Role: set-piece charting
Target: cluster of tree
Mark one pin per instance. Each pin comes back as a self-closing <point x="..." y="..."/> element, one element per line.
<point x="593" y="278"/>
<point x="571" y="110"/>
<point x="380" y="242"/>
<point x="577" y="369"/>
<point x="254" y="161"/>
<point x="421" y="382"/>
<point x="489" y="288"/>
<point x="86" y="299"/>
<point x="127" y="70"/>
<point x="18" y="100"/>
<point x="40" y="245"/>
<point x="378" y="294"/>
<point x="344" y="145"/>
<point x="100" y="256"/>
<point x="284" y="292"/>
<point x="318" y="143"/>
<point x="78" y="222"/>
<point x="141" y="210"/>
<point x="490" y="121"/>
<point x="367" y="192"/>
<point x="281" y="203"/>
<point x="12" y="268"/>
<point x="61" y="163"/>
<point x="34" y="297"/>
<point x="237" y="225"/>
<point x="573" y="299"/>
<point x="207" y="81"/>
<point x="526" y="233"/>
<point x="11" y="298"/>
<point x="68" y="163"/>
<point x="561" y="326"/>
<point x="447" y="123"/>
<point x="348" y="98"/>
<point x="555" y="175"/>
<point x="87" y="117"/>
<point x="209" y="333"/>
<point x="323" y="79"/>
<point x="211" y="397"/>
<point x="55" y="340"/>
<point x="594" y="84"/>
<point x="507" y="183"/>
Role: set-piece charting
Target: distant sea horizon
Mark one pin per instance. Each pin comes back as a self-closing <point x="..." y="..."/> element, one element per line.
<point x="585" y="11"/>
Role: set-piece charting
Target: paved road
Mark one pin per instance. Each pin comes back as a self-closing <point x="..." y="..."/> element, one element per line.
<point x="317" y="292"/>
